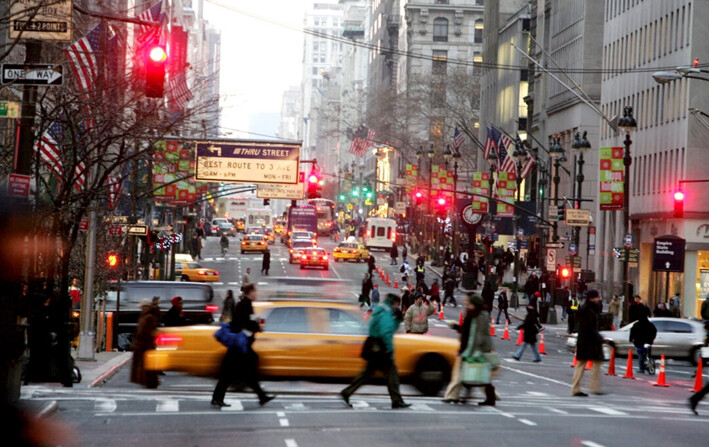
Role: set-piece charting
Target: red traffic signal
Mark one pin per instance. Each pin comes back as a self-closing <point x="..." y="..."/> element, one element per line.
<point x="679" y="203"/>
<point x="112" y="260"/>
<point x="418" y="196"/>
<point x="441" y="201"/>
<point x="313" y="178"/>
<point x="155" y="58"/>
<point x="565" y="272"/>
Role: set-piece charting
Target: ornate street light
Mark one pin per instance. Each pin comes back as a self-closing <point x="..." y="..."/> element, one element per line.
<point x="556" y="152"/>
<point x="628" y="125"/>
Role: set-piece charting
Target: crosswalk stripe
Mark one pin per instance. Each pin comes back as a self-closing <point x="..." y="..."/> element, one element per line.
<point x="167" y="405"/>
<point x="105" y="405"/>
<point x="609" y="411"/>
<point x="421" y="407"/>
<point x="236" y="405"/>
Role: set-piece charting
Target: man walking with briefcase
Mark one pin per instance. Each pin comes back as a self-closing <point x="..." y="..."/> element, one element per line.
<point x="378" y="351"/>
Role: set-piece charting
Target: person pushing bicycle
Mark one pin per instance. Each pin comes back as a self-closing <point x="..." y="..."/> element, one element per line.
<point x="224" y="243"/>
<point x="643" y="333"/>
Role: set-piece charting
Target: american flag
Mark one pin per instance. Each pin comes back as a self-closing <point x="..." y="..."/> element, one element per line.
<point x="179" y="91"/>
<point x="527" y="168"/>
<point x="151" y="14"/>
<point x="458" y="140"/>
<point x="362" y="140"/>
<point x="49" y="148"/>
<point x="115" y="185"/>
<point x="82" y="57"/>
<point x="505" y="160"/>
<point x="493" y="136"/>
<point x="81" y="174"/>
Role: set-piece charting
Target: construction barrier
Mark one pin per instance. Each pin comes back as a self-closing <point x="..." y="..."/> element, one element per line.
<point x="589" y="365"/>
<point x="109" y="331"/>
<point x="520" y="338"/>
<point x="575" y="362"/>
<point x="611" y="364"/>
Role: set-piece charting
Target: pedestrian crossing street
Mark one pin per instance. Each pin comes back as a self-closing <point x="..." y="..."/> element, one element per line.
<point x="528" y="408"/>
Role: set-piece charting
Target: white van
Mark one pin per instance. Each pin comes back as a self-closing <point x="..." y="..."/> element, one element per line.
<point x="259" y="217"/>
<point x="381" y="233"/>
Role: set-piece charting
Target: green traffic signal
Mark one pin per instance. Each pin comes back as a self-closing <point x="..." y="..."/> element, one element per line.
<point x="365" y="188"/>
<point x="369" y="195"/>
<point x="342" y="197"/>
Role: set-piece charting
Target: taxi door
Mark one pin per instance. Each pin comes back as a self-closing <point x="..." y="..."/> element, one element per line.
<point x="342" y="335"/>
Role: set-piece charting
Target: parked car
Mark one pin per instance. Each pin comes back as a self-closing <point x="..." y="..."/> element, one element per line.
<point x="314" y="339"/>
<point x="677" y="338"/>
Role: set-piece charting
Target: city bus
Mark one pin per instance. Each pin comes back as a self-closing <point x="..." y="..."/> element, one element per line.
<point x="300" y="218"/>
<point x="326" y="214"/>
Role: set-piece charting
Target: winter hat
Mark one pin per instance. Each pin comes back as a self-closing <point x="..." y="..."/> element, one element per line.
<point x="537" y="294"/>
<point x="175" y="300"/>
<point x="475" y="299"/>
<point x="593" y="293"/>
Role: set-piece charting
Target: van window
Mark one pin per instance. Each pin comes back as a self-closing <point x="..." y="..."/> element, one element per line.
<point x="388" y="232"/>
<point x="380" y="231"/>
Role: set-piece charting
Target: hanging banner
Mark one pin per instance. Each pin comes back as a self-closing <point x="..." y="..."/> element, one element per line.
<point x="611" y="178"/>
<point x="506" y="187"/>
<point x="412" y="175"/>
<point x="442" y="181"/>
<point x="481" y="186"/>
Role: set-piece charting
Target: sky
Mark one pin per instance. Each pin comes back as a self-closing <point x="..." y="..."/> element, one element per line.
<point x="259" y="60"/>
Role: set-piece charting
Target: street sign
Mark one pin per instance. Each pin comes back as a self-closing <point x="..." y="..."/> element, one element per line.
<point x="577" y="218"/>
<point x="32" y="74"/>
<point x="573" y="249"/>
<point x="553" y="212"/>
<point x="136" y="230"/>
<point x="282" y="191"/>
<point x="628" y="240"/>
<point x="270" y="162"/>
<point x="574" y="262"/>
<point x="555" y="245"/>
<point x="9" y="109"/>
<point x="350" y="207"/>
<point x="551" y="258"/>
<point x="520" y="232"/>
<point x="668" y="254"/>
<point x="18" y="185"/>
<point x="38" y="19"/>
<point x="591" y="241"/>
<point x="400" y="208"/>
<point x="631" y="254"/>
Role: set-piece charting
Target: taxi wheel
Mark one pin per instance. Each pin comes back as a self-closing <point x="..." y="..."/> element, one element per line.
<point x="184" y="278"/>
<point x="431" y="374"/>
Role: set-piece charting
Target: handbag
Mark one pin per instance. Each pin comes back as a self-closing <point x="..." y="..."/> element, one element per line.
<point x="373" y="349"/>
<point x="230" y="339"/>
<point x="475" y="370"/>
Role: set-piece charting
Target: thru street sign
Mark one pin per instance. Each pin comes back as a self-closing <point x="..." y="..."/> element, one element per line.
<point x="33" y="74"/>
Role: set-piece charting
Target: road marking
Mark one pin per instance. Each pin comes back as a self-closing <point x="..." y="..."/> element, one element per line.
<point x="283" y="422"/>
<point x="105" y="405"/>
<point x="217" y="283"/>
<point x="527" y="422"/>
<point x="609" y="411"/>
<point x="360" y="404"/>
<point x="296" y="406"/>
<point x="236" y="405"/>
<point x="261" y="283"/>
<point x="291" y="443"/>
<point x="537" y="393"/>
<point x="234" y="283"/>
<point x="558" y="382"/>
<point x="168" y="405"/>
<point x="280" y="414"/>
<point x="557" y="411"/>
<point x="591" y="444"/>
<point x="421" y="407"/>
<point x="207" y="259"/>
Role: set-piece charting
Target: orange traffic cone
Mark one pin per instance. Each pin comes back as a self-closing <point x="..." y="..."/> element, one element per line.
<point x="492" y="327"/>
<point x="698" y="379"/>
<point x="440" y="314"/>
<point x="396" y="283"/>
<point x="460" y="319"/>
<point x="589" y="364"/>
<point x="629" y="366"/>
<point x="611" y="364"/>
<point x="661" y="377"/>
<point x="542" y="349"/>
<point x="575" y="362"/>
<point x="388" y="278"/>
<point x="520" y="339"/>
<point x="506" y="333"/>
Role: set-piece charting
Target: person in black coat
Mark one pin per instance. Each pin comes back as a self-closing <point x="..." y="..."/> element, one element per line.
<point x="531" y="328"/>
<point x="589" y="345"/>
<point x="237" y="365"/>
<point x="488" y="296"/>
<point x="394" y="252"/>
<point x="266" y="263"/>
<point x="502" y="306"/>
<point x="371" y="262"/>
<point x="642" y="333"/>
<point x="175" y="316"/>
<point x="367" y="287"/>
<point x="636" y="309"/>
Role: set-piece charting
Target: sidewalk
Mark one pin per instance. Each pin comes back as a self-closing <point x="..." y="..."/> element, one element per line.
<point x="93" y="373"/>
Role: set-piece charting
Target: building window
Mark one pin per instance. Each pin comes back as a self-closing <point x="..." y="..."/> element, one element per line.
<point x="479" y="27"/>
<point x="477" y="57"/>
<point x="315" y="70"/>
<point x="440" y="30"/>
<point x="442" y="2"/>
<point x="315" y="46"/>
<point x="440" y="61"/>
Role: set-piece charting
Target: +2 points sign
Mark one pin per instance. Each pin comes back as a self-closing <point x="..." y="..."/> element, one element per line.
<point x="265" y="162"/>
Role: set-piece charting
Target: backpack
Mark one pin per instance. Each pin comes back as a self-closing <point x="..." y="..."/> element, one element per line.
<point x="402" y="269"/>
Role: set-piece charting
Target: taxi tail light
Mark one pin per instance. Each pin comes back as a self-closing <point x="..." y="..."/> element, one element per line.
<point x="216" y="272"/>
<point x="168" y="340"/>
<point x="212" y="308"/>
<point x="261" y="243"/>
<point x="243" y="242"/>
<point x="201" y="273"/>
<point x="291" y="250"/>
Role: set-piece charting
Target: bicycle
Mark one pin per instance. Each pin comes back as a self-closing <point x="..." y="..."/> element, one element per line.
<point x="648" y="362"/>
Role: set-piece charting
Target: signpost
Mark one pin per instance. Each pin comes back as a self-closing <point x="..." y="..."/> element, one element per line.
<point x="628" y="241"/>
<point x="265" y="162"/>
<point x="551" y="259"/>
<point x="400" y="208"/>
<point x="573" y="249"/>
<point x="32" y="74"/>
<point x="281" y="191"/>
<point x="37" y="19"/>
<point x="668" y="256"/>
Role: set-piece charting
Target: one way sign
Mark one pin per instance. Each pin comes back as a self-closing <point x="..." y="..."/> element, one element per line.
<point x="32" y="74"/>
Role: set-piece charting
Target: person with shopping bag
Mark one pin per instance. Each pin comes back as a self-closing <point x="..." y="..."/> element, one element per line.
<point x="475" y="354"/>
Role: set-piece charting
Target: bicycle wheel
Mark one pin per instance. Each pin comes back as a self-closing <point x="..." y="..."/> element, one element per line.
<point x="650" y="365"/>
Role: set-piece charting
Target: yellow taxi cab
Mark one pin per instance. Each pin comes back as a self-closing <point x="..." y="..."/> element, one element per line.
<point x="191" y="271"/>
<point x="254" y="242"/>
<point x="306" y="339"/>
<point x="350" y="251"/>
<point x="240" y="225"/>
<point x="278" y="228"/>
<point x="270" y="235"/>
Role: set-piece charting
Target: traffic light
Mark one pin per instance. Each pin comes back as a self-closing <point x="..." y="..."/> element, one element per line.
<point x="266" y="202"/>
<point x="112" y="260"/>
<point x="679" y="203"/>
<point x="342" y="197"/>
<point x="314" y="184"/>
<point x="418" y="196"/>
<point x="441" y="204"/>
<point x="564" y="273"/>
<point x="155" y="59"/>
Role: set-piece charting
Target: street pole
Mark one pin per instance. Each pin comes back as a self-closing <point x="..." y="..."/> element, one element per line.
<point x="456" y="214"/>
<point x="626" y="123"/>
<point x="492" y="159"/>
<point x="581" y="143"/>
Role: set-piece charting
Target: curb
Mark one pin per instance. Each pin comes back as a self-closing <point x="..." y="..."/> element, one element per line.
<point x="49" y="409"/>
<point x="110" y="372"/>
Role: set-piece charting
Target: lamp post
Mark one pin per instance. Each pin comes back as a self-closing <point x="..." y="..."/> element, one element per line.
<point x="430" y="155"/>
<point x="556" y="152"/>
<point x="456" y="215"/>
<point x="419" y="213"/>
<point x="542" y="183"/>
<point x="520" y="156"/>
<point x="580" y="144"/>
<point x="492" y="160"/>
<point x="626" y="124"/>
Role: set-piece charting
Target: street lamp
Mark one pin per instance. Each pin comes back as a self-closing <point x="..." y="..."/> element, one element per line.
<point x="627" y="124"/>
<point x="580" y="144"/>
<point x="556" y="152"/>
<point x="430" y="155"/>
<point x="492" y="160"/>
<point x="520" y="155"/>
<point x="456" y="215"/>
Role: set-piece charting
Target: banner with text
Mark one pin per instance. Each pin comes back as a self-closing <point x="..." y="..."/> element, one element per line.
<point x="611" y="178"/>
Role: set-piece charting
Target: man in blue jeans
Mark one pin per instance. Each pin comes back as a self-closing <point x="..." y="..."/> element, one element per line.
<point x="642" y="333"/>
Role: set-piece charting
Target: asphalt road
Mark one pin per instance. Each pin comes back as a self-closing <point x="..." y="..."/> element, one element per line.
<point x="535" y="408"/>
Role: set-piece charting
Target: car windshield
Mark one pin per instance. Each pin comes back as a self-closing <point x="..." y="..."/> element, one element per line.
<point x="194" y="265"/>
<point x="302" y="244"/>
<point x="255" y="230"/>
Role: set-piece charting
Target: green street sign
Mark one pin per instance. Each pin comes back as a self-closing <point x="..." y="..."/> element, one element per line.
<point x="9" y="109"/>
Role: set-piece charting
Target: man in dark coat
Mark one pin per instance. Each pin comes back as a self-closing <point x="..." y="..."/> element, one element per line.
<point x="175" y="316"/>
<point x="237" y="365"/>
<point x="266" y="263"/>
<point x="394" y="252"/>
<point x="371" y="262"/>
<point x="488" y="296"/>
<point x="642" y="333"/>
<point x="143" y="341"/>
<point x="636" y="309"/>
<point x="589" y="345"/>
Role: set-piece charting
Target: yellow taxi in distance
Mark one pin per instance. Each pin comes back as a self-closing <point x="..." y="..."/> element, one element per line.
<point x="254" y="242"/>
<point x="191" y="271"/>
<point x="350" y="251"/>
<point x="306" y="340"/>
<point x="240" y="225"/>
<point x="278" y="228"/>
<point x="270" y="235"/>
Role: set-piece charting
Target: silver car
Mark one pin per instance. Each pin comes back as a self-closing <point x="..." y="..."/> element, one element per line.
<point x="676" y="338"/>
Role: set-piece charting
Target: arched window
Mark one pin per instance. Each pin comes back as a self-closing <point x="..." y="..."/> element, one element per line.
<point x="479" y="27"/>
<point x="440" y="30"/>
